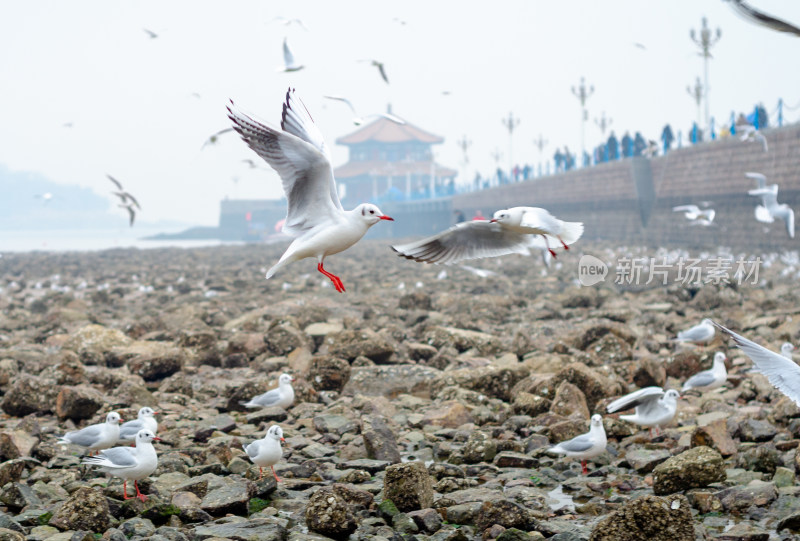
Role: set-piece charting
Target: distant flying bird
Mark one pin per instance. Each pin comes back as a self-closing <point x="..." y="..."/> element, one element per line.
<point x="357" y="120"/>
<point x="761" y="213"/>
<point x="759" y="17"/>
<point x="749" y="133"/>
<point x="67" y="125"/>
<point x="769" y="196"/>
<point x="380" y="66"/>
<point x="640" y="46"/>
<point x="511" y="231"/>
<point x="651" y="150"/>
<point x="286" y="21"/>
<point x="400" y="21"/>
<point x="695" y="215"/>
<point x="288" y="59"/>
<point x="128" y="201"/>
<point x="297" y="151"/>
<point x="45" y="197"/>
<point x="150" y="33"/>
<point x="131" y="212"/>
<point x="212" y="140"/>
<point x="250" y="163"/>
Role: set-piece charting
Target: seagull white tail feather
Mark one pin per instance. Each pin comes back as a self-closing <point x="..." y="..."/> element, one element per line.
<point x="571" y="232"/>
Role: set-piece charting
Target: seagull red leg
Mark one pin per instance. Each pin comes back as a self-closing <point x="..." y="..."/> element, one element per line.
<point x="138" y="492"/>
<point x="564" y="244"/>
<point x="337" y="282"/>
<point x="583" y="465"/>
<point x="125" y="490"/>
<point x="275" y="474"/>
<point x="260" y="472"/>
<point x="547" y="244"/>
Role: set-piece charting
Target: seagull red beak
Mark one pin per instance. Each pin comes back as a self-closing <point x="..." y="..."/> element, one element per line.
<point x="156" y="439"/>
<point x="384" y="217"/>
<point x="283" y="440"/>
<point x="493" y="220"/>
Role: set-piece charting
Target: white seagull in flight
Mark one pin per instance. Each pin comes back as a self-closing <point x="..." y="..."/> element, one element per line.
<point x="358" y="120"/>
<point x="315" y="215"/>
<point x="288" y="59"/>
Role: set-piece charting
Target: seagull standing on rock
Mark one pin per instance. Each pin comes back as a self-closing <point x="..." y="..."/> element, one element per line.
<point x="95" y="437"/>
<point x="129" y="464"/>
<point x="315" y="215"/>
<point x="702" y="332"/>
<point x="510" y="231"/>
<point x="585" y="446"/>
<point x="709" y="379"/>
<point x="267" y="451"/>
<point x="654" y="407"/>
<point x="282" y="397"/>
<point x="145" y="419"/>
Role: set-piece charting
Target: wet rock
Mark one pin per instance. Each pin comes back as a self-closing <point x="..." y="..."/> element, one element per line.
<point x="760" y="458"/>
<point x="744" y="532"/>
<point x="531" y="404"/>
<point x="86" y="509"/>
<point x="714" y="435"/>
<point x="10" y="535"/>
<point x="684" y="364"/>
<point x="334" y="424"/>
<point x="450" y="414"/>
<point x="77" y="403"/>
<point x="390" y="380"/>
<point x="11" y="471"/>
<point x="17" y="443"/>
<point x="409" y="486"/>
<point x="650" y="371"/>
<point x="349" y="344"/>
<point x="509" y="459"/>
<point x="284" y="336"/>
<point x="648" y="517"/>
<point x="569" y="401"/>
<point x="595" y="330"/>
<point x="427" y="520"/>
<point x="328" y="373"/>
<point x="489" y="380"/>
<point x="504" y="513"/>
<point x="137" y="526"/>
<point x="29" y="394"/>
<point x="783" y="477"/>
<point x="462" y="340"/>
<point x="695" y="468"/>
<point x="594" y="385"/>
<point x="328" y="513"/>
<point x="480" y="447"/>
<point x="227" y="495"/>
<point x="379" y="440"/>
<point x="93" y="342"/>
<point x="150" y="360"/>
<point x="741" y="498"/>
<point x="18" y="496"/>
<point x="415" y="301"/>
<point x="644" y="460"/>
<point x="240" y="528"/>
<point x="421" y="352"/>
<point x="756" y="430"/>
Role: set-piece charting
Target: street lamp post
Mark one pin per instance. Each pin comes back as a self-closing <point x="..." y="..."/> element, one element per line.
<point x="497" y="156"/>
<point x="464" y="143"/>
<point x="583" y="94"/>
<point x="697" y="94"/>
<point x="603" y="123"/>
<point x="510" y="123"/>
<point x="540" y="142"/>
<point x="705" y="40"/>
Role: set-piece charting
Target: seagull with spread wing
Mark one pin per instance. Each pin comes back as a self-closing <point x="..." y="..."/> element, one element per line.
<point x="297" y="151"/>
<point x="380" y="66"/>
<point x="769" y="197"/>
<point x="764" y="19"/>
<point x="289" y="63"/>
<point x="653" y="407"/>
<point x="358" y="120"/>
<point x="696" y="216"/>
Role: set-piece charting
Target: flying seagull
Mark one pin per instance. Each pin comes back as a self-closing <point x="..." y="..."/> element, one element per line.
<point x="654" y="407"/>
<point x="764" y="19"/>
<point x="288" y="59"/>
<point x="212" y="139"/>
<point x="769" y="196"/>
<point x="357" y="120"/>
<point x="129" y="202"/>
<point x="749" y="133"/>
<point x="511" y="231"/>
<point x="695" y="215"/>
<point x="286" y="21"/>
<point x="297" y="151"/>
<point x="150" y="33"/>
<point x="380" y="66"/>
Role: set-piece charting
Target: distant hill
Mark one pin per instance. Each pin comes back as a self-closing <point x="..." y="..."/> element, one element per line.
<point x="71" y="207"/>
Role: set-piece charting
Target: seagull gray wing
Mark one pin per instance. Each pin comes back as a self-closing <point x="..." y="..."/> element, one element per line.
<point x="129" y="430"/>
<point x="85" y="437"/>
<point x="578" y="444"/>
<point x="698" y="332"/>
<point x="768" y="194"/>
<point x="701" y="379"/>
<point x="687" y="208"/>
<point x="115" y="181"/>
<point x="133" y="200"/>
<point x="764" y="19"/>
<point x="782" y="373"/>
<point x="120" y="457"/>
<point x="635" y="399"/>
<point x="467" y="240"/>
<point x="383" y="71"/>
<point x="267" y="399"/>
<point x="300" y="158"/>
<point x="253" y="449"/>
<point x="131" y="212"/>
<point x="211" y="139"/>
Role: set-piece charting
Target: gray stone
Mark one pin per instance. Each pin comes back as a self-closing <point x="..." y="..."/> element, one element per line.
<point x="227" y="495"/>
<point x="409" y="486"/>
<point x="644" y="460"/>
<point x="328" y="373"/>
<point x="741" y="498"/>
<point x="80" y="402"/>
<point x="510" y="459"/>
<point x="696" y="468"/>
<point x="650" y="518"/>
<point x="756" y="430"/>
<point x="137" y="526"/>
<point x="241" y="530"/>
<point x="19" y="495"/>
<point x="334" y="424"/>
<point x="427" y="520"/>
<point x="86" y="509"/>
<point x="329" y="514"/>
<point x="480" y="447"/>
<point x="379" y="440"/>
<point x="504" y="513"/>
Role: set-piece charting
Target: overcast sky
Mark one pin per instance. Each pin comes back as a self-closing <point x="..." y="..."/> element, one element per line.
<point x="140" y="108"/>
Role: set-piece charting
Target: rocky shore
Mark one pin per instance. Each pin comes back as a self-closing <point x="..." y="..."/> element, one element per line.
<point x="426" y="400"/>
